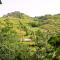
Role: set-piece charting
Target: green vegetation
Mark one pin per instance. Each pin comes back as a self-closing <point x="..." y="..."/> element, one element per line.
<point x="29" y="38"/>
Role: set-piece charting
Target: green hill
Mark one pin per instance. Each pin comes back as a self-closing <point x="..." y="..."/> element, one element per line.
<point x="43" y="31"/>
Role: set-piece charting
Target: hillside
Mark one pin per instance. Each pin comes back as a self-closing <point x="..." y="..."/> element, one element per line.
<point x="44" y="31"/>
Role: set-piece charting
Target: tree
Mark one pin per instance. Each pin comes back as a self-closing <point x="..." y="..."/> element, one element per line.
<point x="55" y="42"/>
<point x="0" y="2"/>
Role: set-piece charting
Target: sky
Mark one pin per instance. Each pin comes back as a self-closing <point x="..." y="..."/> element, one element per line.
<point x="30" y="7"/>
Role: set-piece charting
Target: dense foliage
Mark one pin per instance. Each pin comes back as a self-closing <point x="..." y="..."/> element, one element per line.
<point x="43" y="31"/>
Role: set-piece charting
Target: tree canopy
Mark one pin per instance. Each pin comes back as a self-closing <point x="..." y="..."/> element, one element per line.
<point x="44" y="31"/>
